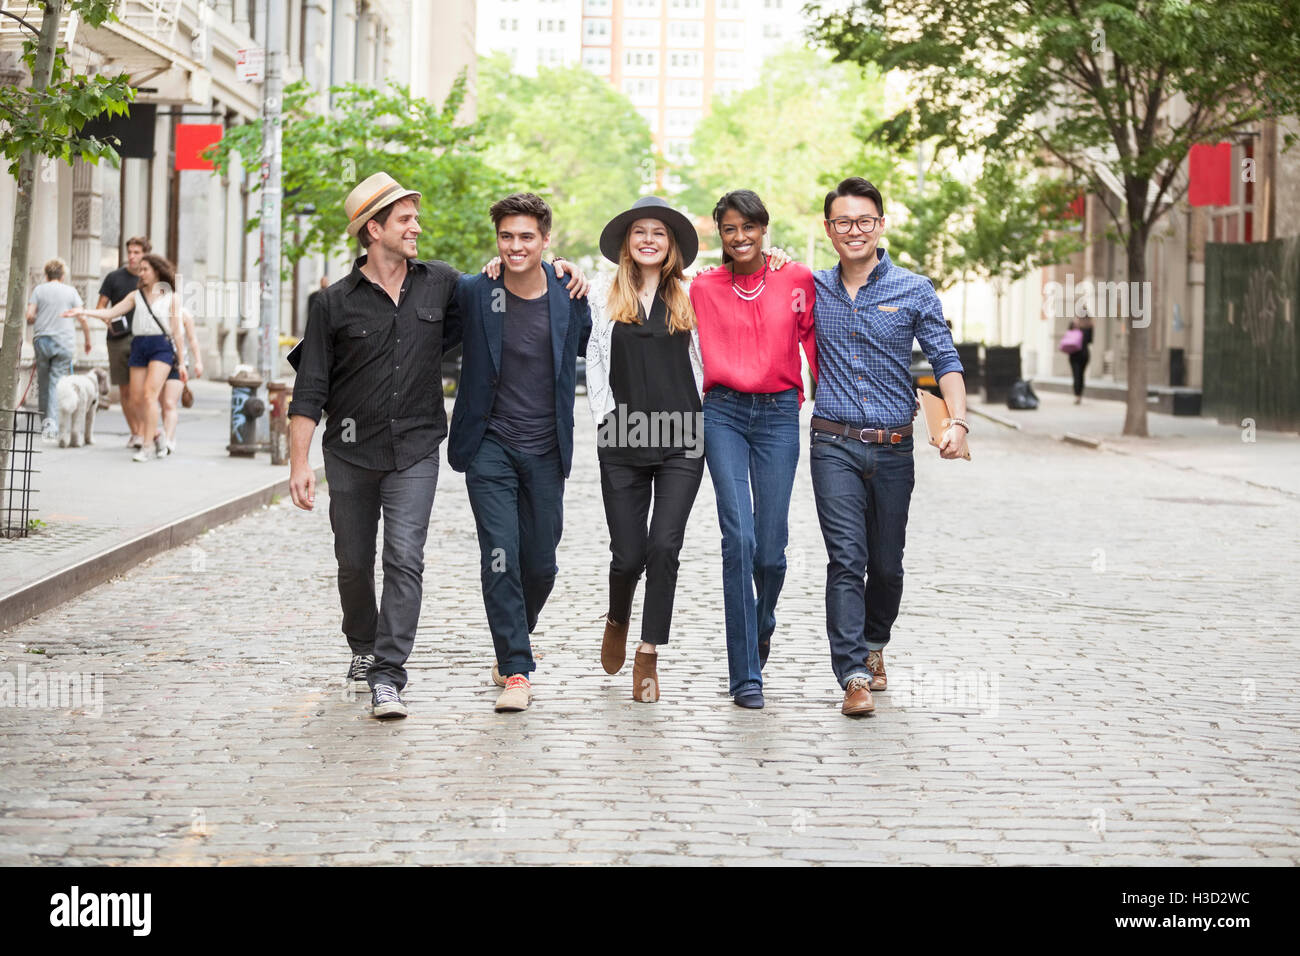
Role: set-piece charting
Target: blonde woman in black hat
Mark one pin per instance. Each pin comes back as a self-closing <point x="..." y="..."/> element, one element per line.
<point x="643" y="384"/>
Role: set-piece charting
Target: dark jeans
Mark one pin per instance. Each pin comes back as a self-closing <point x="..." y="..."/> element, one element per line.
<point x="751" y="443"/>
<point x="1078" y="362"/>
<point x="627" y="491"/>
<point x="357" y="498"/>
<point x="863" y="492"/>
<point x="518" y="504"/>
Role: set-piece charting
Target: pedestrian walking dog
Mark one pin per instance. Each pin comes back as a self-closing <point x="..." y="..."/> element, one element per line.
<point x="78" y="398"/>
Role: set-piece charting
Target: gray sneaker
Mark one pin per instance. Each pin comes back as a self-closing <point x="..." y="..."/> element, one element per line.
<point x="385" y="704"/>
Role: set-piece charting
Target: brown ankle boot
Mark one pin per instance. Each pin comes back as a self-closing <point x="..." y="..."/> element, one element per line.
<point x="645" y="677"/>
<point x="613" y="648"/>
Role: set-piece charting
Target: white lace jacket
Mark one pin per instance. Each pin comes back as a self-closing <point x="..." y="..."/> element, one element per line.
<point x="600" y="396"/>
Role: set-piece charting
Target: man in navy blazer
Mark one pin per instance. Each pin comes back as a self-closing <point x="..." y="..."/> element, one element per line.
<point x="512" y="427"/>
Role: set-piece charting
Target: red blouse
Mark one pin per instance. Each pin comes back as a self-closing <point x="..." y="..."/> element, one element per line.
<point x="754" y="346"/>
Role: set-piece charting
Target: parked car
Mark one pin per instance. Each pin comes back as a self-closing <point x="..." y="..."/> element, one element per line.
<point x="923" y="373"/>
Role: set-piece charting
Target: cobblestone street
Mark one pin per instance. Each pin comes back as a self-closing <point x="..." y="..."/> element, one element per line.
<point x="1095" y="663"/>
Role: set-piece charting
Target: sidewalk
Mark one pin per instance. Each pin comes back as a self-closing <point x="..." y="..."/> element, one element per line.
<point x="1271" y="460"/>
<point x="104" y="513"/>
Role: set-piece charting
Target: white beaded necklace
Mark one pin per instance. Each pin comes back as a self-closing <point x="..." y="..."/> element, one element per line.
<point x="749" y="295"/>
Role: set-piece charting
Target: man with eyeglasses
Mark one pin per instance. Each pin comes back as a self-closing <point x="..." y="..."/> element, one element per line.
<point x="866" y="314"/>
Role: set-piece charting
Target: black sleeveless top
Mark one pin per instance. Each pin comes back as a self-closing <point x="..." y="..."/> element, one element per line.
<point x="650" y="375"/>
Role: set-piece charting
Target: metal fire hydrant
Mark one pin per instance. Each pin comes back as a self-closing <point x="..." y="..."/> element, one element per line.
<point x="245" y="409"/>
<point x="280" y="395"/>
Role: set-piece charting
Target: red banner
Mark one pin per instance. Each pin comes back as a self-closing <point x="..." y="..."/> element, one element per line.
<point x="1209" y="169"/>
<point x="191" y="140"/>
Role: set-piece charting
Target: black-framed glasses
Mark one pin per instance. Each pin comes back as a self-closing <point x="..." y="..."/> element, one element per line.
<point x="867" y="224"/>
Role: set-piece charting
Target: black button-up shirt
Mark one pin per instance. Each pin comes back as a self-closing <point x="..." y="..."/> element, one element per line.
<point x="375" y="368"/>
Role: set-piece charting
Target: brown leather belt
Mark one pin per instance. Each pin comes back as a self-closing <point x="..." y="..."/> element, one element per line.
<point x="877" y="436"/>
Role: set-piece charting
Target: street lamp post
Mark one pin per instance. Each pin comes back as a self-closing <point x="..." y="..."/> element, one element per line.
<point x="268" y="353"/>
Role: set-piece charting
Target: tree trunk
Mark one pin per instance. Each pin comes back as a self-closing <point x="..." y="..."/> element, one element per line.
<point x="15" y="305"/>
<point x="1135" y="418"/>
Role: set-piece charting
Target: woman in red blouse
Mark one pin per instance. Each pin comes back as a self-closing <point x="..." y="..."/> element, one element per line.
<point x="752" y="320"/>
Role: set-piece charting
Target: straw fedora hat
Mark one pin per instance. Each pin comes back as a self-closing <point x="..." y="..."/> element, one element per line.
<point x="650" y="207"/>
<point x="370" y="196"/>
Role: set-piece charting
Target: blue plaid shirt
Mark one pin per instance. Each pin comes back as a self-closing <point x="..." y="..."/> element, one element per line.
<point x="864" y="346"/>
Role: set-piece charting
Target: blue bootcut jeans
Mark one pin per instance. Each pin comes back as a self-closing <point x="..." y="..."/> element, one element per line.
<point x="863" y="492"/>
<point x="751" y="444"/>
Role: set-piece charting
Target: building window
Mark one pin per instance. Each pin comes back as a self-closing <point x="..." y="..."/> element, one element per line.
<point x="640" y="32"/>
<point x="682" y="122"/>
<point x="596" y="6"/>
<point x="597" y="61"/>
<point x="641" y="8"/>
<point x="728" y="34"/>
<point x="684" y="63"/>
<point x="771" y="31"/>
<point x="641" y="62"/>
<point x="727" y="63"/>
<point x="1236" y="222"/>
<point x="596" y="31"/>
<point x="685" y="33"/>
<point x="641" y="91"/>
<point x="690" y="8"/>
<point x="685" y="92"/>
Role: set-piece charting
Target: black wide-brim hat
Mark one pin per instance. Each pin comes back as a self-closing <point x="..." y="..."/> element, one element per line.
<point x="650" y="207"/>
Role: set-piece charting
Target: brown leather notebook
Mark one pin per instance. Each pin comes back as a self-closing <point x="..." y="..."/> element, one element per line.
<point x="936" y="414"/>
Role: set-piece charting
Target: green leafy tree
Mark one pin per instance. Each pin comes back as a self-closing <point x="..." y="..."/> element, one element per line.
<point x="1002" y="226"/>
<point x="1111" y="91"/>
<point x="573" y="132"/>
<point x="368" y="130"/>
<point x="42" y="123"/>
<point x="785" y="138"/>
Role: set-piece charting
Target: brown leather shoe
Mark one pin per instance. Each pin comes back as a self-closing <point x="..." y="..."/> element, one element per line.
<point x="876" y="664"/>
<point x="613" y="647"/>
<point x="857" y="698"/>
<point x="645" y="677"/>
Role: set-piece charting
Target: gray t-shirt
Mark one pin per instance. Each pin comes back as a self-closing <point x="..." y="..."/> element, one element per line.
<point x="52" y="299"/>
<point x="523" y="415"/>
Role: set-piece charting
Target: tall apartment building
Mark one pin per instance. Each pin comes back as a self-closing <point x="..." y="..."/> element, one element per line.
<point x="532" y="33"/>
<point x="673" y="58"/>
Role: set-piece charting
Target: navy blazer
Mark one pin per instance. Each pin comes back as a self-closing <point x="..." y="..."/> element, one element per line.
<point x="481" y="361"/>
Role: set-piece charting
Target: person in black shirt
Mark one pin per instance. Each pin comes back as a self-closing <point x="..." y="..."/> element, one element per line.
<point x="512" y="429"/>
<point x="370" y="361"/>
<point x="117" y="285"/>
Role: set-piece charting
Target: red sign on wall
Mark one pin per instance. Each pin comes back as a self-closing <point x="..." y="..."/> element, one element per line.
<point x="1209" y="169"/>
<point x="191" y="140"/>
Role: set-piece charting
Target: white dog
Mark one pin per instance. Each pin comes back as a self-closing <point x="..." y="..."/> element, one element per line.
<point x="78" y="398"/>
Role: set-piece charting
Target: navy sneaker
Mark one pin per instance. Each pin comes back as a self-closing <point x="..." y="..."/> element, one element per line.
<point x="385" y="704"/>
